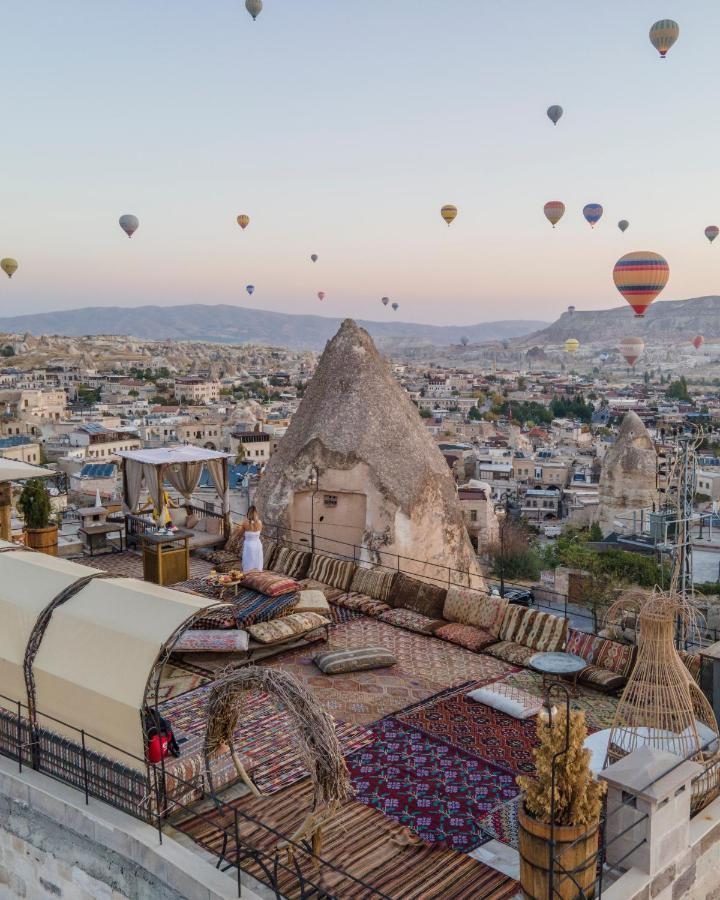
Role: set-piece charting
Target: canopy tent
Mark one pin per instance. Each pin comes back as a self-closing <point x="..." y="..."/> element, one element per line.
<point x="97" y="654"/>
<point x="14" y="470"/>
<point x="182" y="466"/>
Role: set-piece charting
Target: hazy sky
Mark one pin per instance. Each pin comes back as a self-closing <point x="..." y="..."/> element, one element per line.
<point x="341" y="127"/>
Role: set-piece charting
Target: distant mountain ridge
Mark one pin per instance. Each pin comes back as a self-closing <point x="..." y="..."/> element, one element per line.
<point x="234" y="325"/>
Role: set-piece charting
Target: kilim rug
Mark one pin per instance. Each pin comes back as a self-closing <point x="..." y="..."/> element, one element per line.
<point x="478" y="729"/>
<point x="502" y="823"/>
<point x="437" y="791"/>
<point x="359" y="840"/>
<point x="130" y="564"/>
<point x="177" y="680"/>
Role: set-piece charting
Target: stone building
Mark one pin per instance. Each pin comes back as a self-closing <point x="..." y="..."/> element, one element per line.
<point x="357" y="467"/>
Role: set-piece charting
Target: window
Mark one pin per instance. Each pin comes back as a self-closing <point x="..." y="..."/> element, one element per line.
<point x="473" y="515"/>
<point x="330" y="500"/>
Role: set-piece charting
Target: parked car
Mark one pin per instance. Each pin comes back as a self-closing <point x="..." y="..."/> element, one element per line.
<point x="518" y="596"/>
<point x="552" y="531"/>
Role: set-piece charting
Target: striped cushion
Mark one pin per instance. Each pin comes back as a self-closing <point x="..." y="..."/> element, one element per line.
<point x="469" y="607"/>
<point x="293" y="563"/>
<point x="337" y="573"/>
<point x="376" y="583"/>
<point x="335" y="662"/>
<point x="597" y="677"/>
<point x="361" y="603"/>
<point x="412" y="621"/>
<point x="419" y="596"/>
<point x="602" y="653"/>
<point x="509" y="651"/>
<point x="269" y="583"/>
<point x="540" y="631"/>
<point x="468" y="636"/>
<point x="294" y="625"/>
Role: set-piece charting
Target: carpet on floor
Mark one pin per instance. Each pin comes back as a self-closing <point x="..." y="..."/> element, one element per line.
<point x="177" y="680"/>
<point x="436" y="790"/>
<point x="359" y="840"/>
<point x="599" y="708"/>
<point x="501" y="824"/>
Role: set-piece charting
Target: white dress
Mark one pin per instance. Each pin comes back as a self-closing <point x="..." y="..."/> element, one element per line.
<point x="252" y="557"/>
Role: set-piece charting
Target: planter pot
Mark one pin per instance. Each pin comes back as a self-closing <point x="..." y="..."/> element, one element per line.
<point x="43" y="539"/>
<point x="576" y="848"/>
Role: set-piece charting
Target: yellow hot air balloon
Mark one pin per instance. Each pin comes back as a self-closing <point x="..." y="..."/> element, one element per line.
<point x="572" y="345"/>
<point x="243" y="221"/>
<point x="9" y="266"/>
<point x="448" y="212"/>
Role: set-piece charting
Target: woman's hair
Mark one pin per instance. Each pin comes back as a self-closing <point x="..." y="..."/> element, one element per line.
<point x="252" y="514"/>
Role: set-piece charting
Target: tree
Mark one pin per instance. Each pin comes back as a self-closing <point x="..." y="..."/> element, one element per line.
<point x="678" y="390"/>
<point x="425" y="414"/>
<point x="474" y="414"/>
<point x="514" y="554"/>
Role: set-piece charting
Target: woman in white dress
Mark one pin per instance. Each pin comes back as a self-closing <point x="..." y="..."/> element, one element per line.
<point x="252" y="557"/>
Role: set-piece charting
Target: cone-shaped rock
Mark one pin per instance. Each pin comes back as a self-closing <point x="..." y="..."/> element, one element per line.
<point x="628" y="477"/>
<point x="383" y="484"/>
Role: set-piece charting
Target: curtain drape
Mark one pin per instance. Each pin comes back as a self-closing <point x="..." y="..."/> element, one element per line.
<point x="218" y="471"/>
<point x="133" y="483"/>
<point x="185" y="477"/>
<point x="153" y="476"/>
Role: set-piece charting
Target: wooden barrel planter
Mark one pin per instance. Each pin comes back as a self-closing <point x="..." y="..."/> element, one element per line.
<point x="43" y="539"/>
<point x="579" y="859"/>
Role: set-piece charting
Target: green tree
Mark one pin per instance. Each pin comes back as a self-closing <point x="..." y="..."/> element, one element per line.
<point x="678" y="390"/>
<point x="596" y="532"/>
<point x="425" y="414"/>
<point x="474" y="413"/>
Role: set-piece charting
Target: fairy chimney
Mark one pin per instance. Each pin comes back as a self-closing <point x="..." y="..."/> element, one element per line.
<point x="628" y="478"/>
<point x="358" y="467"/>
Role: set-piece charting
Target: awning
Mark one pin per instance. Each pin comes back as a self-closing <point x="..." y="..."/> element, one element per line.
<point x="12" y="470"/>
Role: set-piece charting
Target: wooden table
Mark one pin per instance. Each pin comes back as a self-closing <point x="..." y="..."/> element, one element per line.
<point x="166" y="557"/>
<point x="221" y="589"/>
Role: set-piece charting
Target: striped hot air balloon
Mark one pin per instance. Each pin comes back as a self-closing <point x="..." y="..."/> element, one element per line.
<point x="243" y="221"/>
<point x="448" y="212"/>
<point x="572" y="345"/>
<point x="631" y="349"/>
<point x="554" y="210"/>
<point x="663" y="35"/>
<point x="698" y="341"/>
<point x="711" y="232"/>
<point x="640" y="276"/>
<point x="593" y="213"/>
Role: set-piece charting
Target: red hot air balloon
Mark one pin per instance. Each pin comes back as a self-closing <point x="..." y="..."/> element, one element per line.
<point x="321" y="295"/>
<point x="711" y="232"/>
<point x="554" y="211"/>
<point x="631" y="349"/>
<point x="640" y="276"/>
<point x="698" y="341"/>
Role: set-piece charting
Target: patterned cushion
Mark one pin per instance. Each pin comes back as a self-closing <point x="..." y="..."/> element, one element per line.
<point x="335" y="662"/>
<point x="234" y="543"/>
<point x="269" y="552"/>
<point x="469" y="607"/>
<point x="269" y="583"/>
<point x="361" y="603"/>
<point x="338" y="573"/>
<point x="419" y="596"/>
<point x="330" y="593"/>
<point x="582" y="644"/>
<point x="516" y="654"/>
<point x="221" y="559"/>
<point x="691" y="661"/>
<point x="537" y="630"/>
<point x="597" y="677"/>
<point x="600" y="652"/>
<point x="508" y="699"/>
<point x="467" y="636"/>
<point x="291" y="626"/>
<point x="216" y="641"/>
<point x="376" y="583"/>
<point x="312" y="601"/>
<point x="406" y="618"/>
<point x="293" y="563"/>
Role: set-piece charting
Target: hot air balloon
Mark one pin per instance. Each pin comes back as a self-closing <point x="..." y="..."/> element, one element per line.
<point x="314" y="257"/>
<point x="321" y="295"/>
<point x="631" y="349"/>
<point x="572" y="345"/>
<point x="250" y="288"/>
<point x="243" y="221"/>
<point x="554" y="210"/>
<point x="129" y="224"/>
<point x="593" y="213"/>
<point x="254" y="7"/>
<point x="698" y="341"/>
<point x="448" y="212"/>
<point x="663" y="35"/>
<point x="9" y="266"/>
<point x="623" y="224"/>
<point x="396" y="306"/>
<point x="554" y="113"/>
<point x="640" y="276"/>
<point x="711" y="232"/>
<point x="385" y="301"/>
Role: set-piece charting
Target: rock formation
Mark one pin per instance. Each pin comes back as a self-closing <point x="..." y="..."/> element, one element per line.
<point x="358" y="466"/>
<point x="628" y="478"/>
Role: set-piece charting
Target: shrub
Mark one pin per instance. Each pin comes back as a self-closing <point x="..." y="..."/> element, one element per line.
<point x="34" y="503"/>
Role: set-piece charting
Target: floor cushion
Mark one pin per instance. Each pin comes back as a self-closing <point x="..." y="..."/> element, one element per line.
<point x="269" y="583"/>
<point x="605" y="679"/>
<point x="269" y="552"/>
<point x="610" y="662"/>
<point x="361" y="603"/>
<point x="230" y="640"/>
<point x="312" y="601"/>
<point x="469" y="607"/>
<point x="412" y="621"/>
<point x="330" y="593"/>
<point x="288" y="627"/>
<point x="508" y="699"/>
<point x="509" y="651"/>
<point x="467" y="636"/>
<point x="359" y="659"/>
<point x="419" y="596"/>
<point x="337" y="573"/>
<point x="375" y="583"/>
<point x="293" y="563"/>
<point x="537" y="630"/>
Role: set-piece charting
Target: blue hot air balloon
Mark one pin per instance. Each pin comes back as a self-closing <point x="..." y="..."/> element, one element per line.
<point x="250" y="288"/>
<point x="593" y="212"/>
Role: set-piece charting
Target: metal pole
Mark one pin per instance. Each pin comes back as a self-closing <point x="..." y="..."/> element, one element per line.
<point x="85" y="768"/>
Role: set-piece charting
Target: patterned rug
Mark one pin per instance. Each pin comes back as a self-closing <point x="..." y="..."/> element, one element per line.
<point x="437" y="791"/>
<point x="130" y="564"/>
<point x="502" y="823"/>
<point x="478" y="729"/>
<point x="360" y="841"/>
<point x="177" y="680"/>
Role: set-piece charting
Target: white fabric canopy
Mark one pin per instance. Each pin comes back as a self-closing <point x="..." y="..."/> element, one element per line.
<point x="12" y="470"/>
<point x="166" y="456"/>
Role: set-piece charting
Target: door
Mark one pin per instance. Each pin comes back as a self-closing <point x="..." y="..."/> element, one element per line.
<point x="334" y="521"/>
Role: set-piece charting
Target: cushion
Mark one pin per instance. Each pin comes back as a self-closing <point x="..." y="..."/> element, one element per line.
<point x="230" y="640"/>
<point x="269" y="551"/>
<point x="509" y="651"/>
<point x="234" y="543"/>
<point x="582" y="644"/>
<point x="601" y="652"/>
<point x="540" y="631"/>
<point x="406" y="618"/>
<point x="293" y="563"/>
<point x="419" y="596"/>
<point x="597" y="677"/>
<point x="269" y="583"/>
<point x="376" y="583"/>
<point x="361" y="603"/>
<point x="288" y="627"/>
<point x="329" y="593"/>
<point x="214" y="525"/>
<point x="338" y="573"/>
<point x="467" y="636"/>
<point x="312" y="601"/>
<point x="335" y="662"/>
<point x="508" y="699"/>
<point x="179" y="516"/>
<point x="469" y="607"/>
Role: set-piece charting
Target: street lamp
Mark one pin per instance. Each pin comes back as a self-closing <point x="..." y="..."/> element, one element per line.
<point x="313" y="482"/>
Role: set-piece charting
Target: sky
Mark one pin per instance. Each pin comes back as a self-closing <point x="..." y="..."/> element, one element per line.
<point x="341" y="128"/>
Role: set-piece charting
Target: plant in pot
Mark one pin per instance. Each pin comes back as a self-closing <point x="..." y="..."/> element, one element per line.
<point x="572" y="821"/>
<point x="41" y="533"/>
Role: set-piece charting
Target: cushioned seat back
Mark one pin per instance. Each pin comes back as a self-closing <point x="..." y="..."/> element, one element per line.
<point x="293" y="563"/>
<point x="375" y="583"/>
<point x="538" y="630"/>
<point x="601" y="652"/>
<point x="468" y="607"/>
<point x="330" y="570"/>
<point x="419" y="596"/>
<point x="584" y="645"/>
